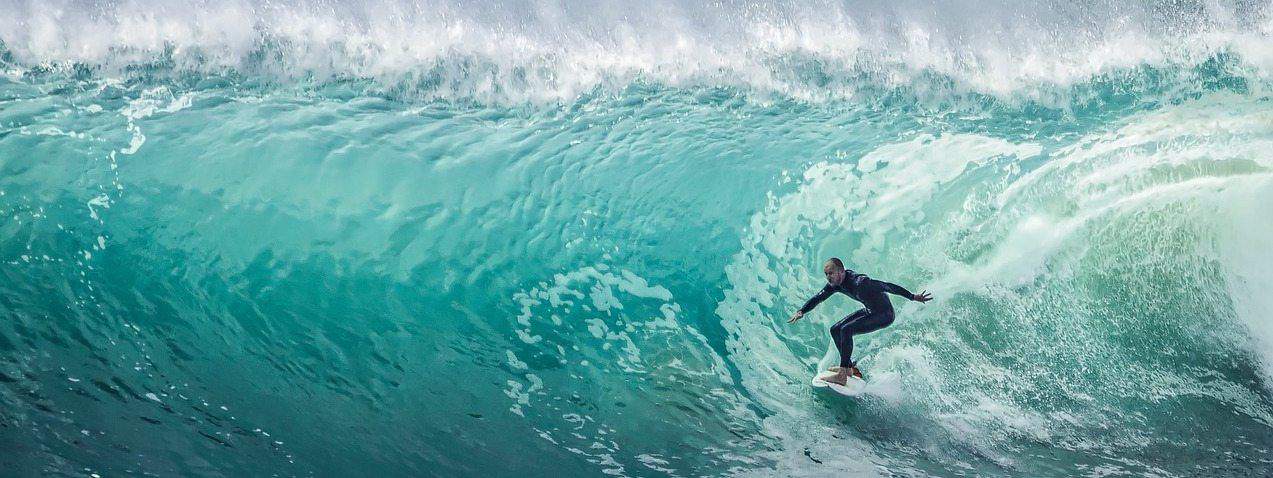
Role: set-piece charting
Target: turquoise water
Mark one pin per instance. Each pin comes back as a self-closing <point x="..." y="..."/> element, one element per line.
<point x="546" y="239"/>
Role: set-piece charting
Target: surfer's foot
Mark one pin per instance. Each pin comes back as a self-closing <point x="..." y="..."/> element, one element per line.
<point x="855" y="372"/>
<point x="841" y="376"/>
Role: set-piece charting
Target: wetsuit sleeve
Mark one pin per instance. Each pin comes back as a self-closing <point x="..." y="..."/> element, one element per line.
<point x="817" y="299"/>
<point x="895" y="289"/>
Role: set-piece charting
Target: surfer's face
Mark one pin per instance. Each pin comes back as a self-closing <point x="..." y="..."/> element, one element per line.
<point x="834" y="274"/>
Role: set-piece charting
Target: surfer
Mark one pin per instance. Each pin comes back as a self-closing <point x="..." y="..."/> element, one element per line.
<point x="877" y="314"/>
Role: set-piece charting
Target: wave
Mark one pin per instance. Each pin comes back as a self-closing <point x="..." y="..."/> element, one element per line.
<point x="307" y="238"/>
<point x="553" y="51"/>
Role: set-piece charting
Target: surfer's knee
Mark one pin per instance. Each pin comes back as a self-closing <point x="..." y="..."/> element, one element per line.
<point x="886" y="317"/>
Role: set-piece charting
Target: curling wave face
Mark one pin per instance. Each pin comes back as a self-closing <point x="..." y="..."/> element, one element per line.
<point x="535" y="238"/>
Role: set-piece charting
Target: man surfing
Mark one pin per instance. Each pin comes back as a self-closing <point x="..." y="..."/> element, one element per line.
<point x="877" y="314"/>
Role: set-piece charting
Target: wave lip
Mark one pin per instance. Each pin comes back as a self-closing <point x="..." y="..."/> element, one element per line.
<point x="550" y="51"/>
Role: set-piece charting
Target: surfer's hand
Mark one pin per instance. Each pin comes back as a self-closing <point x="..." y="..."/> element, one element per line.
<point x="923" y="297"/>
<point x="796" y="317"/>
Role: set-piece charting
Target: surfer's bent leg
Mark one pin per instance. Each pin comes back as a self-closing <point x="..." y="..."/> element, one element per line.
<point x="844" y="341"/>
<point x="860" y="322"/>
<point x="835" y="332"/>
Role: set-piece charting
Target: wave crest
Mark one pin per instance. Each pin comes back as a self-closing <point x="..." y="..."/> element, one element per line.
<point x="552" y="51"/>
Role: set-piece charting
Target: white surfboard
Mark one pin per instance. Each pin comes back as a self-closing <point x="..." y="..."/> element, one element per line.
<point x="852" y="387"/>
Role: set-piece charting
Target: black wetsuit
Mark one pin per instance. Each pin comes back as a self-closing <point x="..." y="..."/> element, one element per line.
<point x="877" y="314"/>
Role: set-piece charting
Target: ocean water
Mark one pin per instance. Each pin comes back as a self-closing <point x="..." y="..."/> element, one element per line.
<point x="526" y="238"/>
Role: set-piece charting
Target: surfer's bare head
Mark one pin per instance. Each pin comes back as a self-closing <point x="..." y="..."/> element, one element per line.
<point x="834" y="269"/>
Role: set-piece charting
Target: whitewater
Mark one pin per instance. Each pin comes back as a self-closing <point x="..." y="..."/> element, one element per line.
<point x="540" y="238"/>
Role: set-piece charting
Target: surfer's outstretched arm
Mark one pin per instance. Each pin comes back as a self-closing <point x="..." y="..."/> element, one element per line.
<point x="817" y="299"/>
<point x="812" y="302"/>
<point x="899" y="290"/>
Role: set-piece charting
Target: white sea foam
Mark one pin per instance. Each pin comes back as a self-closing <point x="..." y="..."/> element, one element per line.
<point x="548" y="50"/>
<point x="1243" y="247"/>
<point x="958" y="215"/>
